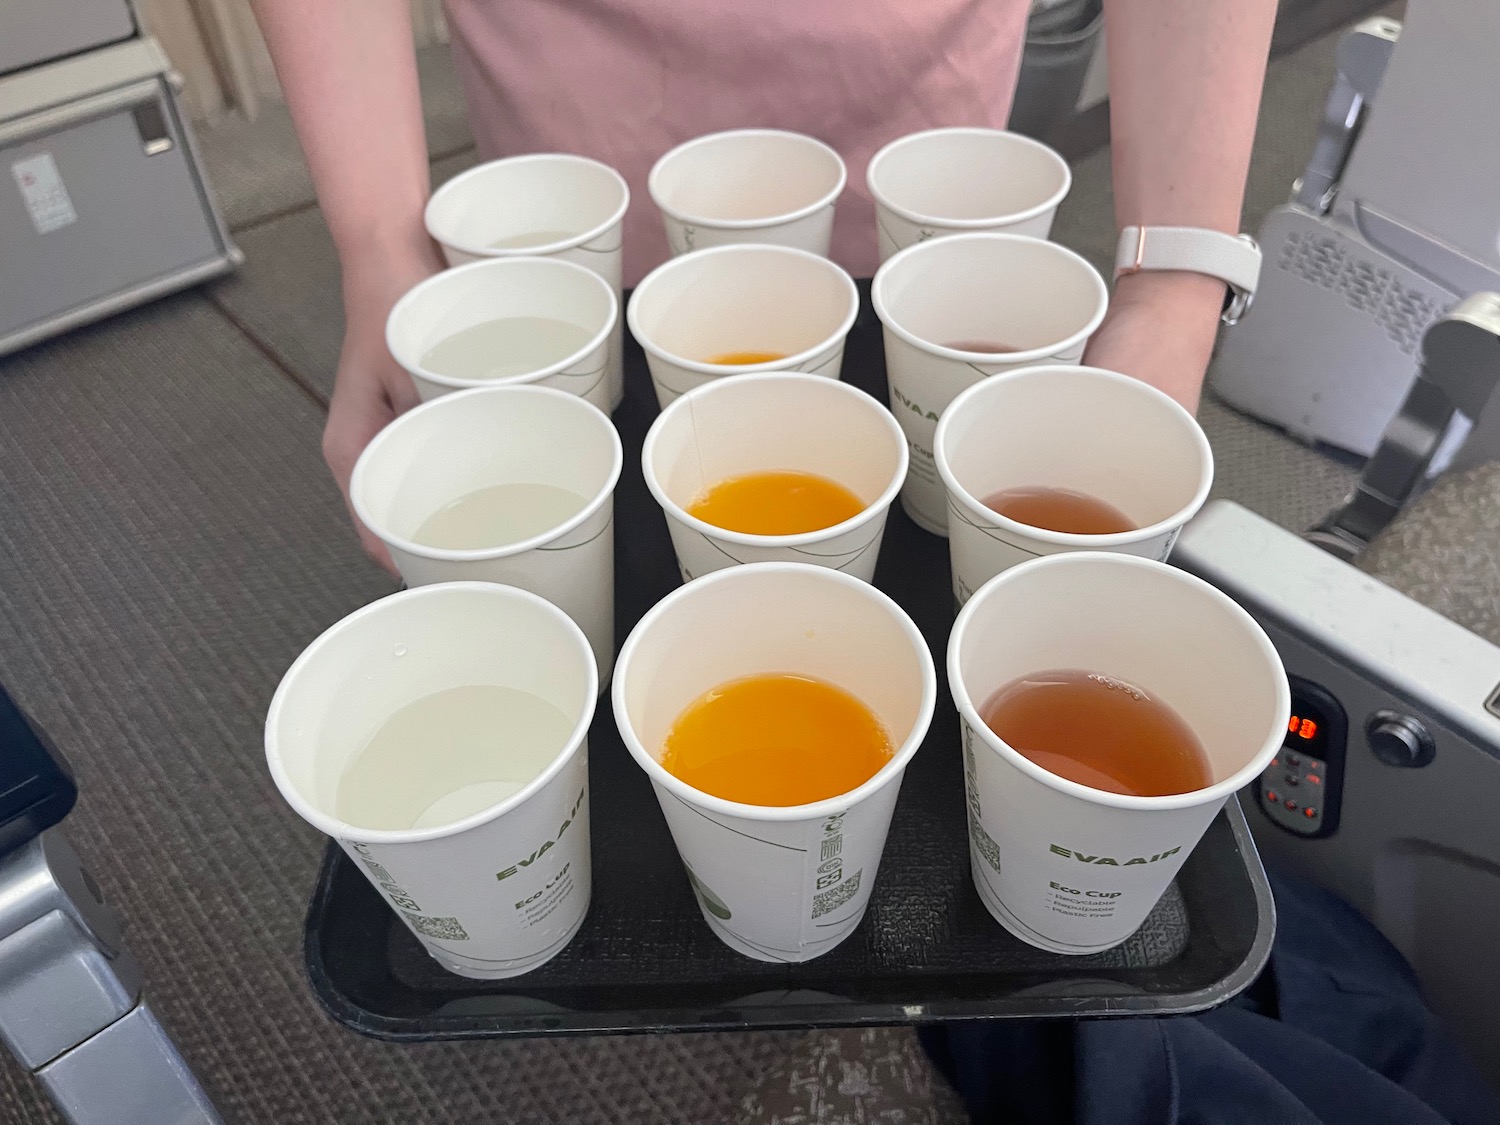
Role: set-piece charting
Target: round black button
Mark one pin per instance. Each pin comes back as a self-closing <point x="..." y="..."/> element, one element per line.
<point x="1399" y="740"/>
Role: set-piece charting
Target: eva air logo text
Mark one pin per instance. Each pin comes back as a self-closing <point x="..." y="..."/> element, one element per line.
<point x="1111" y="861"/>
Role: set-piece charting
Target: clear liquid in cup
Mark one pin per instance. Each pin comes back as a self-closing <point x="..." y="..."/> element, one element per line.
<point x="498" y="516"/>
<point x="511" y="345"/>
<point x="448" y="756"/>
<point x="1099" y="731"/>
<point x="533" y="238"/>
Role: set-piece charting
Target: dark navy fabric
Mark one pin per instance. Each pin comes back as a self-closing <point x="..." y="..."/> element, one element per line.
<point x="1334" y="1032"/>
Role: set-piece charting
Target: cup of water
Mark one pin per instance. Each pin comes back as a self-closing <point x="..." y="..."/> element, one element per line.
<point x="545" y="204"/>
<point x="440" y="736"/>
<point x="748" y="185"/>
<point x="505" y="322"/>
<point x="961" y="180"/>
<point x="501" y="484"/>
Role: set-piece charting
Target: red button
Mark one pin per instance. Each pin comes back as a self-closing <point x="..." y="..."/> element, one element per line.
<point x="1272" y="796"/>
<point x="1314" y="779"/>
<point x="1276" y="761"/>
<point x="1291" y="804"/>
<point x="1309" y="812"/>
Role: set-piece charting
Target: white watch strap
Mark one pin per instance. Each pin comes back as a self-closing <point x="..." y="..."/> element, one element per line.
<point x="1233" y="258"/>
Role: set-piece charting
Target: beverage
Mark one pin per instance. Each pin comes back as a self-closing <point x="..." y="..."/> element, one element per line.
<point x="512" y="345"/>
<point x="776" y="739"/>
<point x="529" y="239"/>
<point x="498" y="516"/>
<point x="449" y="755"/>
<point x="776" y="503"/>
<point x="1060" y="509"/>
<point x="984" y="347"/>
<point x="744" y="359"/>
<point x="1100" y="732"/>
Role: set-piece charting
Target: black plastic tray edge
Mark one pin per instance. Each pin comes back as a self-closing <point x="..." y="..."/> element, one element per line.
<point x="848" y="1014"/>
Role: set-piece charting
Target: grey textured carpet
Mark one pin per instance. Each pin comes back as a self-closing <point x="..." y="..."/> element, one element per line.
<point x="169" y="541"/>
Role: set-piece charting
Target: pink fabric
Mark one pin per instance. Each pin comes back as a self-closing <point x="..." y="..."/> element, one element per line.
<point x="623" y="81"/>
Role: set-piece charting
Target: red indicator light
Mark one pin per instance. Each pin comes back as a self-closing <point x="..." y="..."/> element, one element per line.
<point x="1309" y="812"/>
<point x="1292" y="724"/>
<point x="1307" y="729"/>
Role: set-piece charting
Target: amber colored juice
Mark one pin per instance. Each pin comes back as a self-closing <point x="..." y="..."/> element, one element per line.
<point x="1100" y="732"/>
<point x="776" y="739"/>
<point x="1060" y="509"/>
<point x="776" y="503"/>
<point x="743" y="359"/>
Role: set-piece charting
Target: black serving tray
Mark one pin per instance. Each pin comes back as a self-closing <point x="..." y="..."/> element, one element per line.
<point x="927" y="950"/>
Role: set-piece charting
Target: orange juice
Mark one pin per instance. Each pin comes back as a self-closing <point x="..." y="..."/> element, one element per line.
<point x="776" y="739"/>
<point x="776" y="503"/>
<point x="743" y="359"/>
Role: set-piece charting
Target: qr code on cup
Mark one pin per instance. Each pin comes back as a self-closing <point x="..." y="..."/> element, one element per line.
<point x="829" y="901"/>
<point x="439" y="929"/>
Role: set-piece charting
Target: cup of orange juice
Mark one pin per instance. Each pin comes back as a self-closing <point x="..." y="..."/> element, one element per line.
<point x="737" y="309"/>
<point x="775" y="708"/>
<point x="775" y="467"/>
<point x="748" y="185"/>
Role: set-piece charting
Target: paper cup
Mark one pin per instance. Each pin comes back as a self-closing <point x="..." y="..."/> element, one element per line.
<point x="775" y="421"/>
<point x="511" y="208"/>
<point x="458" y="444"/>
<point x="748" y="185"/>
<point x="741" y="299"/>
<point x="1060" y="865"/>
<point x="1093" y="431"/>
<point x="952" y="181"/>
<point x="776" y="884"/>
<point x="1008" y="289"/>
<point x="502" y="891"/>
<point x="456" y="299"/>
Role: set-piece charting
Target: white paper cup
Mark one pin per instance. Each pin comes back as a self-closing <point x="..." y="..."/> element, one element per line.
<point x="1098" y="432"/>
<point x="1002" y="288"/>
<point x="1060" y="865"/>
<point x="499" y="892"/>
<point x="460" y="298"/>
<point x="777" y="884"/>
<point x="951" y="181"/>
<point x="458" y="444"/>
<point x="520" y="199"/>
<point x="741" y="299"/>
<point x="768" y="422"/>
<point x="748" y="185"/>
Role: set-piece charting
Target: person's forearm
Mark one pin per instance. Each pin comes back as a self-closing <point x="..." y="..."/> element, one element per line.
<point x="1185" y="80"/>
<point x="349" y="73"/>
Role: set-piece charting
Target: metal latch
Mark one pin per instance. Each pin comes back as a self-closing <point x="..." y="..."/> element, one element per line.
<point x="151" y="124"/>
<point x="1460" y="371"/>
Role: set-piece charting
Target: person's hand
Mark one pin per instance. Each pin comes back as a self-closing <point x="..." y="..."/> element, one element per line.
<point x="370" y="388"/>
<point x="1160" y="328"/>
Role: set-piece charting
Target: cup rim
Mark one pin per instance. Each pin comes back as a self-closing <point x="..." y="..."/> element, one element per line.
<point x="1219" y="790"/>
<point x="331" y="825"/>
<point x="1068" y="538"/>
<point x="927" y="220"/>
<point x="524" y="262"/>
<point x="452" y="185"/>
<point x="880" y="504"/>
<point x="1046" y="351"/>
<point x="900" y="758"/>
<point x="825" y="200"/>
<point x="458" y="401"/>
<point x="718" y="369"/>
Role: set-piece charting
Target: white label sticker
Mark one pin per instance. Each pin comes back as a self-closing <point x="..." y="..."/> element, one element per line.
<point x="44" y="192"/>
